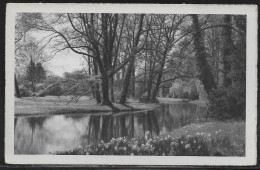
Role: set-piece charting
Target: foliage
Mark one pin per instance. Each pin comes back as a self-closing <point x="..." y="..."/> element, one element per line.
<point x="184" y="89"/>
<point x="54" y="91"/>
<point x="227" y="103"/>
<point x="143" y="98"/>
<point x="35" y="72"/>
<point x="24" y="91"/>
<point x="197" y="145"/>
<point x="221" y="146"/>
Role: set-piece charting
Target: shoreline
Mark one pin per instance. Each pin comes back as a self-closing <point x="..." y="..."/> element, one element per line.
<point x="51" y="105"/>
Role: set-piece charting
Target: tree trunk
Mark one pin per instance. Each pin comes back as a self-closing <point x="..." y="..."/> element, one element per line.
<point x="206" y="76"/>
<point x="33" y="87"/>
<point x="126" y="82"/>
<point x="133" y="81"/>
<point x="131" y="64"/>
<point x="150" y="80"/>
<point x="227" y="50"/>
<point x="156" y="89"/>
<point x="105" y="90"/>
<point x="112" y="89"/>
<point x="144" y="85"/>
<point x="97" y="93"/>
<point x="158" y="83"/>
<point x="17" y="90"/>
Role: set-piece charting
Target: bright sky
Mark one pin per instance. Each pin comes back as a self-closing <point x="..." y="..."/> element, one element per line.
<point x="64" y="61"/>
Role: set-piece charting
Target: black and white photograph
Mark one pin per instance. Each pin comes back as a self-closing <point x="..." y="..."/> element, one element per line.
<point x="170" y="85"/>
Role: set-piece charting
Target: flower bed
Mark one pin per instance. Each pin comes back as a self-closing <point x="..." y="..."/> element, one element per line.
<point x="197" y="145"/>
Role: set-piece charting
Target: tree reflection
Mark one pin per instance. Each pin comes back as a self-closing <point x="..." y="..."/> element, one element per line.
<point x="33" y="122"/>
<point x="94" y="129"/>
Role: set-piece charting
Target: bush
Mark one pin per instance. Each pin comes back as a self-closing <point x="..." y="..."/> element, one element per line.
<point x="25" y="92"/>
<point x="54" y="91"/>
<point x="143" y="97"/>
<point x="226" y="103"/>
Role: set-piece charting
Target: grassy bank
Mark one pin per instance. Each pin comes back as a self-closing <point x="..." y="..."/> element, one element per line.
<point x="212" y="138"/>
<point x="59" y="105"/>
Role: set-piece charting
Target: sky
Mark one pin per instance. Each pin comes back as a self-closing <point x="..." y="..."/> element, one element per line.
<point x="64" y="61"/>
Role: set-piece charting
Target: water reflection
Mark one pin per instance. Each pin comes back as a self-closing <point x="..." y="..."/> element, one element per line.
<point x="41" y="135"/>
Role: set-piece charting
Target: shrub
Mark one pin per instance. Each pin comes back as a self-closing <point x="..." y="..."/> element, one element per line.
<point x="143" y="97"/>
<point x="25" y="92"/>
<point x="226" y="103"/>
<point x="54" y="91"/>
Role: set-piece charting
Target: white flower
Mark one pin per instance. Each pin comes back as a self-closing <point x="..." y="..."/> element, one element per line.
<point x="132" y="154"/>
<point x="187" y="146"/>
<point x="125" y="148"/>
<point x="209" y="134"/>
<point x="87" y="153"/>
<point x="216" y="132"/>
<point x="115" y="148"/>
<point x="194" y="141"/>
<point x="199" y="146"/>
<point x="163" y="154"/>
<point x="181" y="142"/>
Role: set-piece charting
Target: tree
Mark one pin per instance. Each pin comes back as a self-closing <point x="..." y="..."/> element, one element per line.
<point x="35" y="74"/>
<point x="97" y="33"/>
<point x="21" y="28"/>
<point x="227" y="50"/>
<point x="132" y="60"/>
<point x="205" y="76"/>
<point x="17" y="90"/>
<point x="168" y="41"/>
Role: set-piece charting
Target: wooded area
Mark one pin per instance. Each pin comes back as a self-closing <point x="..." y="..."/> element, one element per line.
<point x="139" y="56"/>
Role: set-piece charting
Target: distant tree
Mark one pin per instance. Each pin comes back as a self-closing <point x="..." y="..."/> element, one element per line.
<point x="21" y="28"/>
<point x="35" y="74"/>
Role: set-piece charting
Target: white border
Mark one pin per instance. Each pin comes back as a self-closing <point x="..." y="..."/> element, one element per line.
<point x="251" y="96"/>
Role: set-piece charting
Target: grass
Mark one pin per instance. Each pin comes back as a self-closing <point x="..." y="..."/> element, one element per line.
<point x="229" y="135"/>
<point x="59" y="105"/>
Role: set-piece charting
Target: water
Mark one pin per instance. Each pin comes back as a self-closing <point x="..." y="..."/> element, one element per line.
<point x="42" y="135"/>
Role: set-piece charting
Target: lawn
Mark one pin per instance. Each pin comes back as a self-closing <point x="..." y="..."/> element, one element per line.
<point x="232" y="130"/>
<point x="59" y="105"/>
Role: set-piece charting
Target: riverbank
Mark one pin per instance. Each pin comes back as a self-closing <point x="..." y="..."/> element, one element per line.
<point x="59" y="105"/>
<point x="229" y="133"/>
<point x="202" y="103"/>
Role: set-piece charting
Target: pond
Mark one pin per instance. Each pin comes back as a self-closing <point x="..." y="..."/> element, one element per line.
<point x="45" y="134"/>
